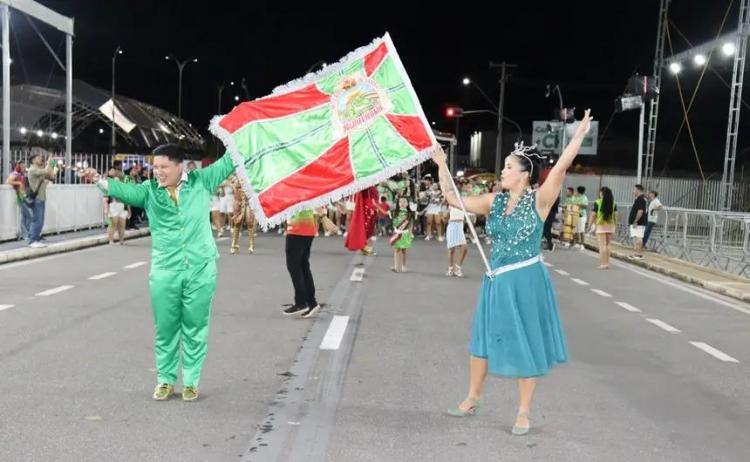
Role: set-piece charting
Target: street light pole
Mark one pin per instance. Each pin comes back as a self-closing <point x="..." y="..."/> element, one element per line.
<point x="180" y="66"/>
<point x="220" y="89"/>
<point x="455" y="152"/>
<point x="118" y="51"/>
<point x="467" y="81"/>
<point x="500" y="110"/>
<point x="563" y="115"/>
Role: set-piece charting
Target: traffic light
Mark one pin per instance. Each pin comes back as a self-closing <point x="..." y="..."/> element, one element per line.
<point x="453" y="112"/>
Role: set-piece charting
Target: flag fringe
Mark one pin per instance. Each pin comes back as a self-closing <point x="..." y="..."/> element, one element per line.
<point x="331" y="69"/>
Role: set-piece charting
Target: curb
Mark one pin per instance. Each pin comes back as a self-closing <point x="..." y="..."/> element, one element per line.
<point x="66" y="246"/>
<point x="711" y="286"/>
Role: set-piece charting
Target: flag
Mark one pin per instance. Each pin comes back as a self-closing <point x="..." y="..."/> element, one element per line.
<point x="328" y="134"/>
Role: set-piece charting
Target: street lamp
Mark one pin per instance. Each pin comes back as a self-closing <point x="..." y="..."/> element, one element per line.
<point x="320" y="63"/>
<point x="500" y="108"/>
<point x="563" y="113"/>
<point x="180" y="66"/>
<point x="467" y="81"/>
<point x="220" y="89"/>
<point x="118" y="51"/>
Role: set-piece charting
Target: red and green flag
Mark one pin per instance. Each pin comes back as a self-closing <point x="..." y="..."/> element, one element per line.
<point x="327" y="135"/>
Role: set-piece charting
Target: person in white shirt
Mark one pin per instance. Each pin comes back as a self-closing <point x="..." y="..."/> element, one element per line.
<point x="653" y="205"/>
<point x="456" y="240"/>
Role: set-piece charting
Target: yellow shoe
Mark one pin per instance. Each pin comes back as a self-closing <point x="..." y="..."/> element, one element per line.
<point x="163" y="392"/>
<point x="190" y="393"/>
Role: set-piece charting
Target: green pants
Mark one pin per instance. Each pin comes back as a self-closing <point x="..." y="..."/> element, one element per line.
<point x="181" y="302"/>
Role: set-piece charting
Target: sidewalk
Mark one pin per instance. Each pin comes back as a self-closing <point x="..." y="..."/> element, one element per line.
<point x="707" y="278"/>
<point x="11" y="251"/>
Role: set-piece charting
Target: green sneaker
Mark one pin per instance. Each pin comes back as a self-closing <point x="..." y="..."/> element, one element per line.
<point x="190" y="393"/>
<point x="163" y="392"/>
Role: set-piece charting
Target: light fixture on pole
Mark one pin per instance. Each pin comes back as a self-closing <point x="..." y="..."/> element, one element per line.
<point x="675" y="67"/>
<point x="699" y="59"/>
<point x="728" y="49"/>
<point x="220" y="89"/>
<point x="500" y="118"/>
<point x="180" y="66"/>
<point x="118" y="51"/>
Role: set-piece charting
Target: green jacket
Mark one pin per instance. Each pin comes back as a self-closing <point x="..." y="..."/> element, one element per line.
<point x="181" y="235"/>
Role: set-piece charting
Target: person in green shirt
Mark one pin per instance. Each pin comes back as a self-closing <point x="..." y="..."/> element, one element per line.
<point x="182" y="281"/>
<point x="582" y="202"/>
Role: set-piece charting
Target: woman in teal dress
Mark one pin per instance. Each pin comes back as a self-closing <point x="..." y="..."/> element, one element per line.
<point x="517" y="331"/>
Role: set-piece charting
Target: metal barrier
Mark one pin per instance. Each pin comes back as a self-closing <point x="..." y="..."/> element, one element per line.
<point x="80" y="161"/>
<point x="690" y="193"/>
<point x="719" y="240"/>
<point x="67" y="208"/>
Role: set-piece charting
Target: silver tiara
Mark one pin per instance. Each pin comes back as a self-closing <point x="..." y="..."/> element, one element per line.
<point x="526" y="151"/>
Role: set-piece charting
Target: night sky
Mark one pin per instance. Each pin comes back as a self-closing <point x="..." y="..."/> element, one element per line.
<point x="588" y="50"/>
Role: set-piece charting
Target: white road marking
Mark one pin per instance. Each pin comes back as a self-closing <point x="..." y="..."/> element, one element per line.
<point x="664" y="325"/>
<point x="135" y="265"/>
<point x="562" y="273"/>
<point x="101" y="276"/>
<point x="221" y="239"/>
<point x="718" y="354"/>
<point x="580" y="282"/>
<point x="601" y="292"/>
<point x="54" y="291"/>
<point x="357" y="275"/>
<point x="6" y="307"/>
<point x="702" y="293"/>
<point x="335" y="333"/>
<point x="549" y="265"/>
<point x="628" y="307"/>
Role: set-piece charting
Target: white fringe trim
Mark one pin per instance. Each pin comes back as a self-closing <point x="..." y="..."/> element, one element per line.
<point x="266" y="222"/>
<point x="331" y="69"/>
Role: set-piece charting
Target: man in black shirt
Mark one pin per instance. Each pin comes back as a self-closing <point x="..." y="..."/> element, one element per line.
<point x="638" y="220"/>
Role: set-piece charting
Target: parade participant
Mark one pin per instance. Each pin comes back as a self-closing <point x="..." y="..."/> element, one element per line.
<point x="300" y="232"/>
<point x="517" y="331"/>
<point x="363" y="222"/>
<point x="183" y="261"/>
<point x="243" y="217"/>
<point x="434" y="213"/>
<point x="403" y="229"/>
<point x="456" y="240"/>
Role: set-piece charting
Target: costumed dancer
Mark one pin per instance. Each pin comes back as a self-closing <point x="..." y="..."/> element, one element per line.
<point x="183" y="260"/>
<point x="403" y="229"/>
<point x="363" y="222"/>
<point x="517" y="331"/>
<point x="243" y="217"/>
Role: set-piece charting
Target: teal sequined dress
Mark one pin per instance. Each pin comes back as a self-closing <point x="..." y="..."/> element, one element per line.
<point x="517" y="325"/>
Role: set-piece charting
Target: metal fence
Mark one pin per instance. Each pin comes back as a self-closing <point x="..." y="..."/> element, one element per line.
<point x="69" y="174"/>
<point x="687" y="193"/>
<point x="719" y="240"/>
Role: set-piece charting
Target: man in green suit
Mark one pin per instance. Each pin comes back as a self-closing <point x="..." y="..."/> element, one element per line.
<point x="183" y="260"/>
